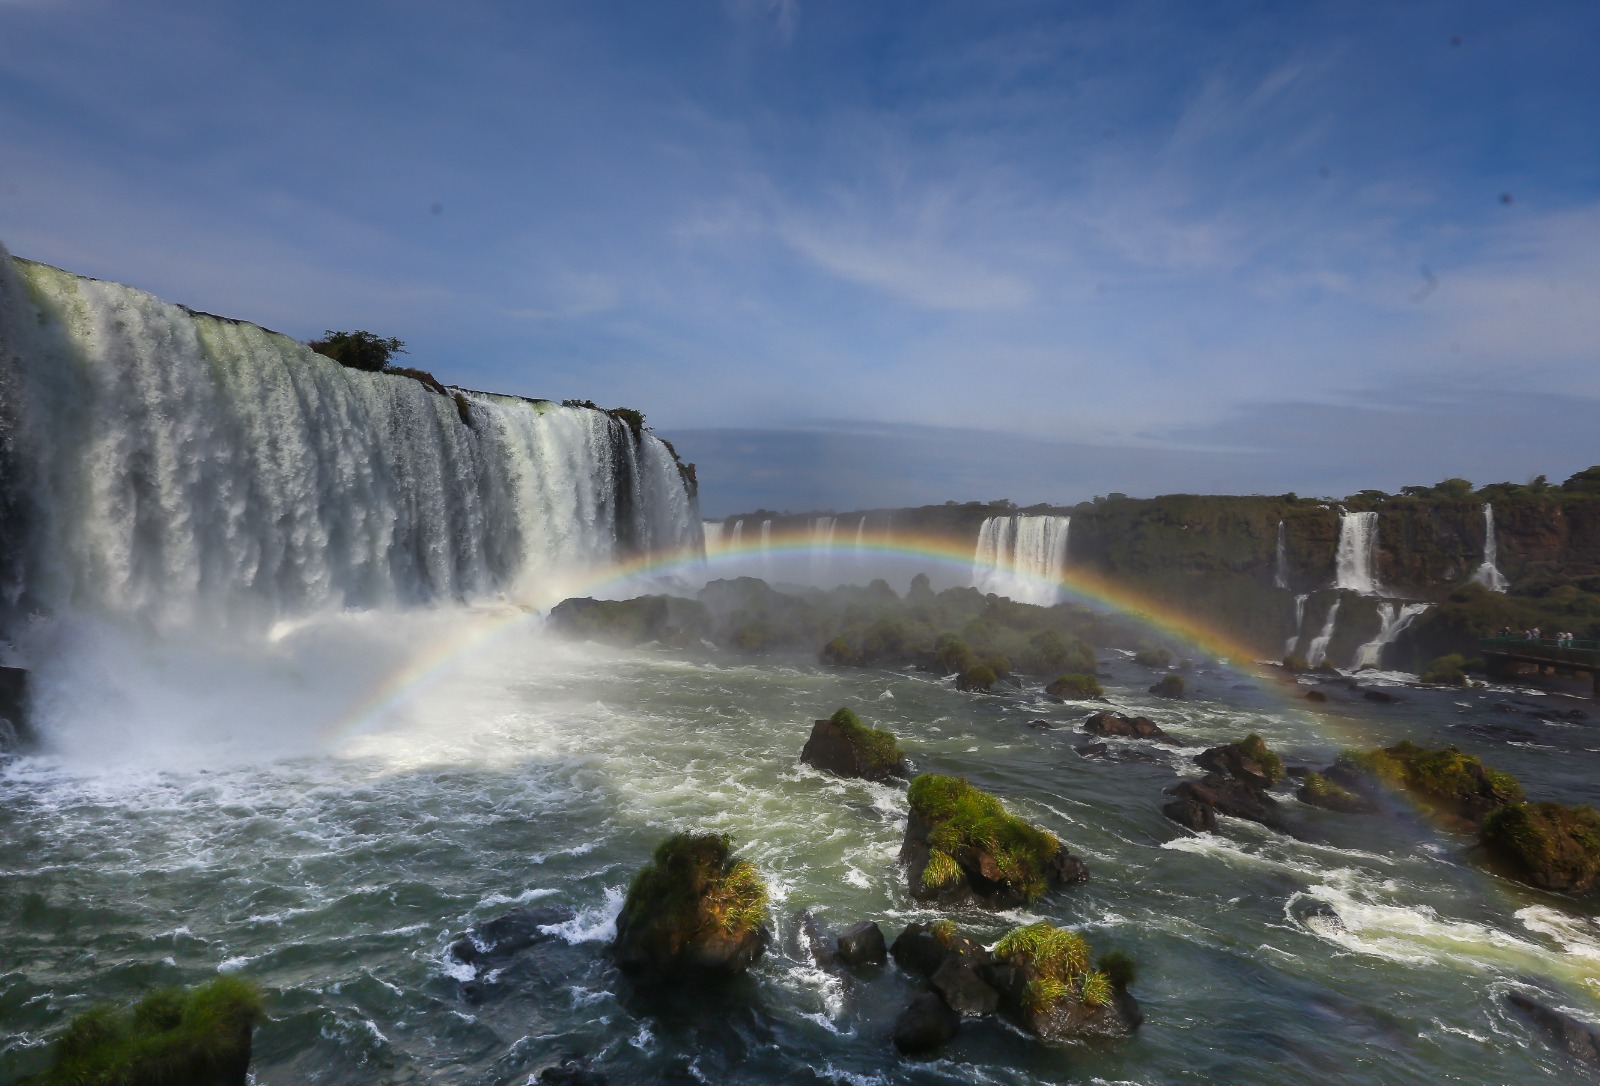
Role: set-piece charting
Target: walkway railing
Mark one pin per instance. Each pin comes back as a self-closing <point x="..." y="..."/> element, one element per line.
<point x="1554" y="649"/>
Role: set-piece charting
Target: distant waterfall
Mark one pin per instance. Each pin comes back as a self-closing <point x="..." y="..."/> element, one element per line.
<point x="1299" y="620"/>
<point x="766" y="535"/>
<point x="185" y="468"/>
<point x="1356" y="562"/>
<point x="861" y="529"/>
<point x="1022" y="557"/>
<point x="1395" y="617"/>
<point x="712" y="530"/>
<point x="1488" y="574"/>
<point x="1318" y="651"/>
<point x="738" y="534"/>
<point x="1280" y="572"/>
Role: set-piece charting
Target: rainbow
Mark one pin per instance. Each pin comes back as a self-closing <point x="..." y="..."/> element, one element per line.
<point x="632" y="576"/>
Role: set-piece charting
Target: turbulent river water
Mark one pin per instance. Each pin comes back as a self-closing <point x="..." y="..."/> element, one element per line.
<point x="330" y="850"/>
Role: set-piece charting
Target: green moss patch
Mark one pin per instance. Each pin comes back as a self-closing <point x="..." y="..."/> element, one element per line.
<point x="1076" y="688"/>
<point x="1255" y="748"/>
<point x="169" y="1038"/>
<point x="1447" y="780"/>
<point x="968" y="826"/>
<point x="878" y="749"/>
<point x="1548" y="844"/>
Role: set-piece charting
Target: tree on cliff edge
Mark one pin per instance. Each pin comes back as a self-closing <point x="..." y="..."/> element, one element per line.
<point x="358" y="350"/>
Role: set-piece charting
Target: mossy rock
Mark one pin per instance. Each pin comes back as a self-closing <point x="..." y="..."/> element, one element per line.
<point x="1049" y="985"/>
<point x="1076" y="688"/>
<point x="200" y="1037"/>
<point x="693" y="911"/>
<point x="1447" y="782"/>
<point x="1445" y="671"/>
<point x="961" y="843"/>
<point x="1550" y="845"/>
<point x="1318" y="791"/>
<point x="1154" y="657"/>
<point x="977" y="679"/>
<point x="1169" y="686"/>
<point x="843" y="745"/>
<point x="1250" y="760"/>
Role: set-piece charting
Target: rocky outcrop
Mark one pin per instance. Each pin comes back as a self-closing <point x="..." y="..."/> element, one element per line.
<point x="925" y="1025"/>
<point x="667" y="619"/>
<point x="693" y="912"/>
<point x="862" y="944"/>
<point x="489" y="946"/>
<point x="15" y="729"/>
<point x="1319" y="791"/>
<point x="1561" y="1031"/>
<point x="844" y="746"/>
<point x="1549" y="845"/>
<point x="961" y="844"/>
<point x="1110" y="725"/>
<point x="1250" y="760"/>
<point x="1196" y="804"/>
<point x="1446" y="782"/>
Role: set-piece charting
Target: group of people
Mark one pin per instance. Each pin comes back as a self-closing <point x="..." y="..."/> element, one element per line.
<point x="1562" y="640"/>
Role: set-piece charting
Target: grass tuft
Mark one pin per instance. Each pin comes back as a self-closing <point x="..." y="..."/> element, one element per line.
<point x="966" y="821"/>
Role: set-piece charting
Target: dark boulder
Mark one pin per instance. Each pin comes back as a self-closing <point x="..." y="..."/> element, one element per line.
<point x="1577" y="1039"/>
<point x="1316" y="695"/>
<point x="1250" y="760"/>
<point x="1192" y="812"/>
<point x="1225" y="795"/>
<point x="863" y="944"/>
<point x="15" y="730"/>
<point x="816" y="940"/>
<point x="922" y="949"/>
<point x="925" y="1025"/>
<point x="1550" y="845"/>
<point x="958" y="983"/>
<point x="571" y="1072"/>
<point x="694" y="911"/>
<point x="844" y="746"/>
<point x="1110" y="725"/>
<point x="1382" y="697"/>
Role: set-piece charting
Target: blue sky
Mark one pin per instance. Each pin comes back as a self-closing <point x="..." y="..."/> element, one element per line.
<point x="858" y="254"/>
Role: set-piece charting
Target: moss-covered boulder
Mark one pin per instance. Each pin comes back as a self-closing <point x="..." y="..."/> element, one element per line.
<point x="1050" y="987"/>
<point x="1550" y="845"/>
<point x="977" y="679"/>
<point x="693" y="911"/>
<point x="962" y="844"/>
<point x="844" y="746"/>
<point x="1169" y="686"/>
<point x="1448" y="670"/>
<point x="1318" y="791"/>
<point x="200" y="1037"/>
<point x="1250" y="760"/>
<point x="1076" y="688"/>
<point x="1447" y="782"/>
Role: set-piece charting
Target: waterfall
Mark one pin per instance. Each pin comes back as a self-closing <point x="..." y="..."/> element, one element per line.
<point x="1280" y="573"/>
<point x="1319" y="644"/>
<point x="184" y="468"/>
<point x="738" y="533"/>
<point x="1299" y="620"/>
<point x="1395" y="617"/>
<point x="1356" y="562"/>
<point x="1488" y="574"/>
<point x="861" y="528"/>
<point x="1022" y="557"/>
<point x="766" y="535"/>
<point x="712" y="529"/>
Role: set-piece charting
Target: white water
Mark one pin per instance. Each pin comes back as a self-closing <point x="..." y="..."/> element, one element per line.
<point x="1280" y="573"/>
<point x="1319" y="644"/>
<point x="712" y="529"/>
<point x="193" y="472"/>
<point x="1356" y="561"/>
<point x="861" y="528"/>
<point x="1488" y="574"/>
<point x="1299" y="620"/>
<point x="1022" y="557"/>
<point x="1395" y="617"/>
<point x="738" y="533"/>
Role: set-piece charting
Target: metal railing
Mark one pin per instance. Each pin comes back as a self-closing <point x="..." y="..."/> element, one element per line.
<point x="1574" y="650"/>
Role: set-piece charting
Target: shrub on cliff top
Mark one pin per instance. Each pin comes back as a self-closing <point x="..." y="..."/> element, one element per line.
<point x="170" y="1038"/>
<point x="965" y="822"/>
<point x="876" y="747"/>
<point x="358" y="350"/>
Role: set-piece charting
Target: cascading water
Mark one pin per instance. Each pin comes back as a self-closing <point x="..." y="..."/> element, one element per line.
<point x="1488" y="574"/>
<point x="1022" y="557"/>
<point x="1318" y="650"/>
<point x="712" y="529"/>
<point x="861" y="528"/>
<point x="1280" y="572"/>
<point x="738" y="533"/>
<point x="1356" y="561"/>
<point x="1299" y="620"/>
<point x="189" y="470"/>
<point x="1395" y="617"/>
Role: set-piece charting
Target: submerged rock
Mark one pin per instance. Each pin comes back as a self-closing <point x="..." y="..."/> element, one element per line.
<point x="1250" y="760"/>
<point x="862" y="944"/>
<point x="1319" y="791"/>
<point x="571" y="1072"/>
<point x="846" y="747"/>
<point x="962" y="844"/>
<point x="925" y="1025"/>
<point x="1562" y="1031"/>
<point x="693" y="911"/>
<point x="1109" y="725"/>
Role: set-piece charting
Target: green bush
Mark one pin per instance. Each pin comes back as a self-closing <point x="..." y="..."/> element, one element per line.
<point x="1168" y="686"/>
<point x="877" y="748"/>
<point x="1255" y="748"/>
<point x="1446" y="671"/>
<point x="170" y="1038"/>
<point x="966" y="822"/>
<point x="1153" y="656"/>
<point x="952" y="654"/>
<point x="358" y="350"/>
<point x="979" y="677"/>
<point x="1077" y="687"/>
<point x="692" y="883"/>
<point x="1057" y="962"/>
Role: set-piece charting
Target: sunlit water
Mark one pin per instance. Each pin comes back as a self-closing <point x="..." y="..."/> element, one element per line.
<point x="210" y="816"/>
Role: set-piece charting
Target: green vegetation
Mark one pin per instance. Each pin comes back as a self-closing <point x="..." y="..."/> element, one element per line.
<point x="1154" y="656"/>
<point x="1447" y="670"/>
<point x="1118" y="965"/>
<point x="694" y="885"/>
<point x="941" y="872"/>
<point x="170" y="1038"/>
<point x="1446" y="780"/>
<point x="1255" y="748"/>
<point x="1077" y="687"/>
<point x="876" y="747"/>
<point x="944" y="932"/>
<point x="980" y="677"/>
<point x="1057" y="963"/>
<point x="1319" y="791"/>
<point x="358" y="350"/>
<point x="423" y="377"/>
<point x="966" y="823"/>
<point x="1548" y="844"/>
<point x="1169" y="686"/>
<point x="1295" y="664"/>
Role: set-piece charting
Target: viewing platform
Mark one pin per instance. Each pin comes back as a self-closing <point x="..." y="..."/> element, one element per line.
<point x="1511" y="656"/>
